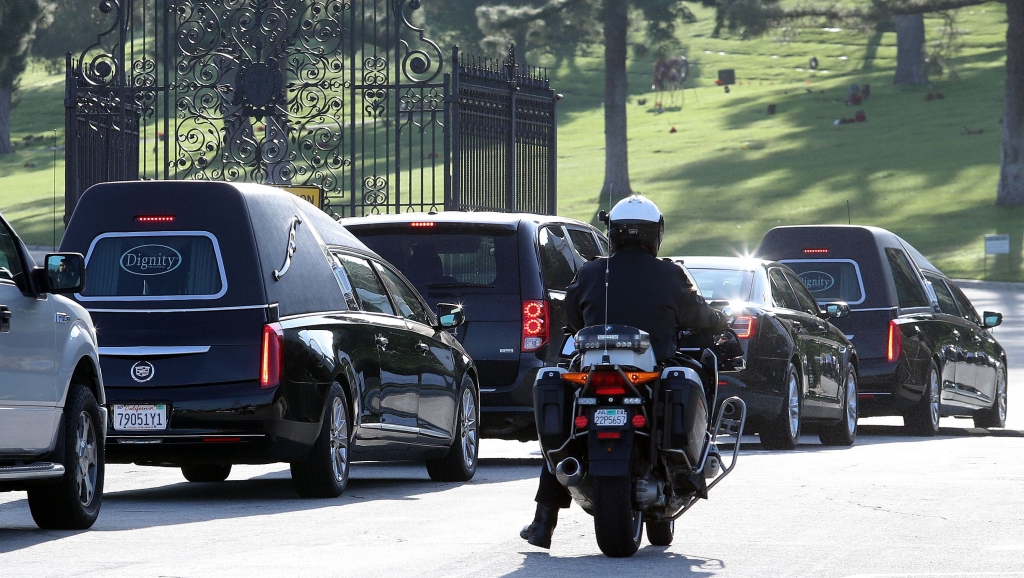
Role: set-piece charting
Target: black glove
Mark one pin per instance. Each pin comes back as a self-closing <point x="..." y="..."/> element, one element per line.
<point x="721" y="325"/>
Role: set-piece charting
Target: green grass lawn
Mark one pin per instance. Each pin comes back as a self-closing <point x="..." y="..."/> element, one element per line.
<point x="730" y="171"/>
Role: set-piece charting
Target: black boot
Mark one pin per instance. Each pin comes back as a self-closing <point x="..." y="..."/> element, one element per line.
<point x="539" y="532"/>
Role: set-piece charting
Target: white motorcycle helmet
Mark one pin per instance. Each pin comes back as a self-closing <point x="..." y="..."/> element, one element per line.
<point x="636" y="220"/>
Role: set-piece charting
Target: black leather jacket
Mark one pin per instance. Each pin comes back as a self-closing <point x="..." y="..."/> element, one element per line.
<point x="644" y="292"/>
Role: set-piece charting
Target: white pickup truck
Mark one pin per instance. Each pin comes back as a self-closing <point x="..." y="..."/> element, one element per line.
<point x="52" y="415"/>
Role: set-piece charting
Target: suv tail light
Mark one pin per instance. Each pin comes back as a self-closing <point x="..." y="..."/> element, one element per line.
<point x="744" y="327"/>
<point x="270" y="355"/>
<point x="535" y="325"/>
<point x="892" y="352"/>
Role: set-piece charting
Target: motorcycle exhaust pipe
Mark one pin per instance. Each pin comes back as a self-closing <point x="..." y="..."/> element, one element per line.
<point x="568" y="472"/>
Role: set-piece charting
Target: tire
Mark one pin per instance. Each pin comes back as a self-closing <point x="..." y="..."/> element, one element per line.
<point x="923" y="418"/>
<point x="994" y="416"/>
<point x="618" y="527"/>
<point x="460" y="463"/>
<point x="74" y="502"/>
<point x="206" y="472"/>
<point x="324" y="472"/>
<point x="844" y="432"/>
<point x="661" y="533"/>
<point x="783" y="432"/>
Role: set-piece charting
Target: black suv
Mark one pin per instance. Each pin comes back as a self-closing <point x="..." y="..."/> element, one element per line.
<point x="509" y="271"/>
<point x="240" y="324"/>
<point x="924" y="351"/>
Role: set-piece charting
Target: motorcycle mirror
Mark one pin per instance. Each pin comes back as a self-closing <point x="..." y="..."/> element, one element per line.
<point x="568" y="346"/>
<point x="603" y="216"/>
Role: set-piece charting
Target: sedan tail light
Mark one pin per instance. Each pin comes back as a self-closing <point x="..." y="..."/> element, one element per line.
<point x="744" y="327"/>
<point x="535" y="325"/>
<point x="895" y="347"/>
<point x="271" y="355"/>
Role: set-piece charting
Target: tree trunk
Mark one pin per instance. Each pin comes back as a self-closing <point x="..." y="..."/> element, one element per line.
<point x="1011" y="173"/>
<point x="5" y="121"/>
<point x="910" y="49"/>
<point x="616" y="154"/>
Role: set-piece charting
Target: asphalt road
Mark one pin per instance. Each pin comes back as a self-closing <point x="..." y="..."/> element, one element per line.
<point x="890" y="506"/>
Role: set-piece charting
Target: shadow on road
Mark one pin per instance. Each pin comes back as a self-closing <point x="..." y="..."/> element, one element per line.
<point x="543" y="564"/>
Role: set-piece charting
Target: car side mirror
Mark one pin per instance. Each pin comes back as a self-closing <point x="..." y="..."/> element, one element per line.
<point x="837" y="310"/>
<point x="450" y="316"/>
<point x="568" y="347"/>
<point x="63" y="273"/>
<point x="992" y="319"/>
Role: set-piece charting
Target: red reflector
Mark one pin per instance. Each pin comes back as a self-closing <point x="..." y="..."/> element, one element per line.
<point x="895" y="346"/>
<point x="220" y="440"/>
<point x="422" y="224"/>
<point x="535" y="325"/>
<point x="639" y="421"/>
<point x="721" y="383"/>
<point x="744" y="327"/>
<point x="819" y="251"/>
<point x="270" y="355"/>
<point x="154" y="218"/>
<point x="608" y="435"/>
<point x="581" y="421"/>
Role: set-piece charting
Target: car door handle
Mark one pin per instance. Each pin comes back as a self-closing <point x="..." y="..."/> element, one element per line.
<point x="422" y="347"/>
<point x="5" y="319"/>
<point x="381" y="341"/>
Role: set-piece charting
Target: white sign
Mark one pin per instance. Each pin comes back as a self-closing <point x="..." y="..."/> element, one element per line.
<point x="997" y="244"/>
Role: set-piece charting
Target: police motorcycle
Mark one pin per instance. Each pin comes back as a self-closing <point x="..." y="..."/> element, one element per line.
<point x="629" y="439"/>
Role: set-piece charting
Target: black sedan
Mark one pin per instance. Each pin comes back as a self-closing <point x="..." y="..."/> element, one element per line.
<point x="800" y="368"/>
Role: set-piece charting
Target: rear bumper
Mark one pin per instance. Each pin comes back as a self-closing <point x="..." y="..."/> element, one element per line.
<point x="507" y="412"/>
<point x="880" y="391"/>
<point x="761" y="406"/>
<point x="236" y="423"/>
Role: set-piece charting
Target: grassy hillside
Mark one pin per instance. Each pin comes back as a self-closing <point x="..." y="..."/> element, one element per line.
<point x="926" y="169"/>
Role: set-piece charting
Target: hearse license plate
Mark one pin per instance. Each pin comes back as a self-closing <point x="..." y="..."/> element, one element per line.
<point x="140" y="417"/>
<point x="610" y="417"/>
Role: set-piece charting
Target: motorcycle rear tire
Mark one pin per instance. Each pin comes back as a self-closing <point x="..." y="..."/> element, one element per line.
<point x="617" y="525"/>
<point x="661" y="533"/>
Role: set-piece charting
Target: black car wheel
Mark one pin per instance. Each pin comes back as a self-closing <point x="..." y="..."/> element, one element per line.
<point x="783" y="432"/>
<point x="73" y="503"/>
<point x="460" y="463"/>
<point x="923" y="418"/>
<point x="206" y="472"/>
<point x="324" y="472"/>
<point x="844" y="432"/>
<point x="661" y="533"/>
<point x="994" y="416"/>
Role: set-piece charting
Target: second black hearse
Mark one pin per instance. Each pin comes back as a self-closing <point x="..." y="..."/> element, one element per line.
<point x="239" y="324"/>
<point x="924" y="350"/>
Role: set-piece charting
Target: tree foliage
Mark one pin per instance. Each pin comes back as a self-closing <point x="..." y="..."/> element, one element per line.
<point x="19" y="20"/>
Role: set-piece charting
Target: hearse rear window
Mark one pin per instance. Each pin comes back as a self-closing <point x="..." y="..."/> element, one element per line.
<point x="154" y="267"/>
<point x="830" y="280"/>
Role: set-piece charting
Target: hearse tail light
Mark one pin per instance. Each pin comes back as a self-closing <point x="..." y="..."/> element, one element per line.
<point x="816" y="251"/>
<point x="744" y="327"/>
<point x="535" y="325"/>
<point x="271" y="355"/>
<point x="154" y="218"/>
<point x="422" y="224"/>
<point x="892" y="352"/>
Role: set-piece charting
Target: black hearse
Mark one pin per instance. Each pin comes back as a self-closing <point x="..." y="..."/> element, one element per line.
<point x="924" y="351"/>
<point x="239" y="324"/>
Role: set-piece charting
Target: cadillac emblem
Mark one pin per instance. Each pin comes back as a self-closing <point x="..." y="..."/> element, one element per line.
<point x="143" y="371"/>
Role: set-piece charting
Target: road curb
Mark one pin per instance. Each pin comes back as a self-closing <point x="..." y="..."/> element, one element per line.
<point x="893" y="430"/>
<point x="990" y="285"/>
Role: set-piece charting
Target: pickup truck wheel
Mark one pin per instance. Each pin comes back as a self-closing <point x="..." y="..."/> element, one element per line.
<point x="324" y="472"/>
<point x="844" y="432"/>
<point x="783" y="432"/>
<point x="206" y="472"/>
<point x="994" y="416"/>
<point x="73" y="503"/>
<point x="923" y="418"/>
<point x="460" y="463"/>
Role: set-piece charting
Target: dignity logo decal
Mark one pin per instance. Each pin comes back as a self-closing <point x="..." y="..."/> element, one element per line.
<point x="150" y="260"/>
<point x="817" y="280"/>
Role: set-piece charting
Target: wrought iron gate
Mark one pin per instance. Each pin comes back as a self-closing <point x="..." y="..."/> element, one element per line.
<point x="348" y="95"/>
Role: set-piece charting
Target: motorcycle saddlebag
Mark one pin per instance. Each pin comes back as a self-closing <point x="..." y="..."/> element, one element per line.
<point x="552" y="402"/>
<point x="686" y="412"/>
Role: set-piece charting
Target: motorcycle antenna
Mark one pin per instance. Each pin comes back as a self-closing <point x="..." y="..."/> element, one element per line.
<point x="606" y="358"/>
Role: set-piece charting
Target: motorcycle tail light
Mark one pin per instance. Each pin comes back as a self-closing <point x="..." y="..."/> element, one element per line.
<point x="535" y="325"/>
<point x="581" y="421"/>
<point x="608" y="435"/>
<point x="639" y="421"/>
<point x="608" y="383"/>
<point x="895" y="347"/>
<point x="744" y="327"/>
<point x="270" y="355"/>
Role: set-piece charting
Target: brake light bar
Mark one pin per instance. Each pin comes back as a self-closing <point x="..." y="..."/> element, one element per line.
<point x="535" y="324"/>
<point x="895" y="346"/>
<point x="816" y="251"/>
<point x="744" y="326"/>
<point x="608" y="435"/>
<point x="154" y="218"/>
<point x="271" y="355"/>
<point x="422" y="224"/>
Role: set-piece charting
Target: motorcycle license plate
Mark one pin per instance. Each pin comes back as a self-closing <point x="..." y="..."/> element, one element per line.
<point x="610" y="417"/>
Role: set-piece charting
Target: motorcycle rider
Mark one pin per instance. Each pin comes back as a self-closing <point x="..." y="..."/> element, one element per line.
<point x="643" y="291"/>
